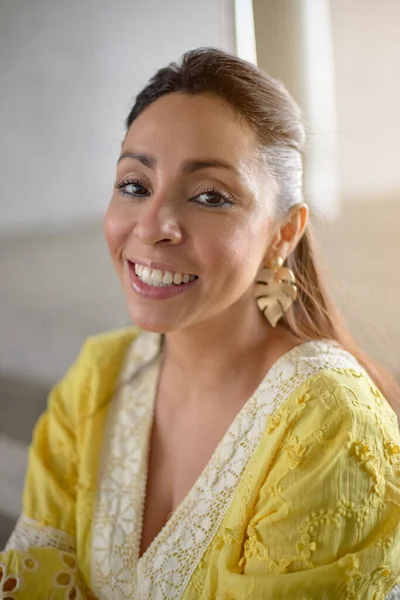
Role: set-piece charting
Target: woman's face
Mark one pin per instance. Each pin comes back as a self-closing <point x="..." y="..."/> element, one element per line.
<point x="191" y="199"/>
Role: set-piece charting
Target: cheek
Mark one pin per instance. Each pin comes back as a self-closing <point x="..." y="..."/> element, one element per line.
<point x="117" y="227"/>
<point x="252" y="239"/>
<point x="239" y="252"/>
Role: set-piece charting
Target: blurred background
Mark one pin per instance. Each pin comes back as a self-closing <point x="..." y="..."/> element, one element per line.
<point x="68" y="74"/>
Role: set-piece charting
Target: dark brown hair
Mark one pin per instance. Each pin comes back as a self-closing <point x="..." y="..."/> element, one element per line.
<point x="269" y="109"/>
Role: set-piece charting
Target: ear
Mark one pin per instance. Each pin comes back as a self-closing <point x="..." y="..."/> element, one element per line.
<point x="289" y="232"/>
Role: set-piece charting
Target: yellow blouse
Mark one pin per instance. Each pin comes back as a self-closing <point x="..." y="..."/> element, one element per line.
<point x="301" y="498"/>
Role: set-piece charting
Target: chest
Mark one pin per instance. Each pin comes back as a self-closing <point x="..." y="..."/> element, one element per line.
<point x="181" y="444"/>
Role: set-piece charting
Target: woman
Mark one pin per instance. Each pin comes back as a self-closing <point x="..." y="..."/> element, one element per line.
<point x="232" y="447"/>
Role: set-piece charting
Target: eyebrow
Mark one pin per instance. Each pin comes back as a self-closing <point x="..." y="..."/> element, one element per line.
<point x="189" y="166"/>
<point x="145" y="159"/>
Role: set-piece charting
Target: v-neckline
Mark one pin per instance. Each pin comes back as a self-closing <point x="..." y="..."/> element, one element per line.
<point x="174" y="515"/>
<point x="174" y="552"/>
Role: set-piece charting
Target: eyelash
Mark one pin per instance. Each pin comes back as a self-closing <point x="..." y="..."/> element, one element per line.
<point x="120" y="185"/>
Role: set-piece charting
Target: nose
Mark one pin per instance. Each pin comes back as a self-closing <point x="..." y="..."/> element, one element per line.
<point x="158" y="223"/>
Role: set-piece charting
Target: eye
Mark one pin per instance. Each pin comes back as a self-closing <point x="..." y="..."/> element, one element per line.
<point x="132" y="189"/>
<point x="213" y="198"/>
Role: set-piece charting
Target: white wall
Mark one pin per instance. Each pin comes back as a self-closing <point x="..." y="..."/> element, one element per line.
<point x="366" y="91"/>
<point x="366" y="44"/>
<point x="294" y="45"/>
<point x="68" y="73"/>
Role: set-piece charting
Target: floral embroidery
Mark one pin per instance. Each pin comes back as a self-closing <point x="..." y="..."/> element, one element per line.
<point x="351" y="564"/>
<point x="295" y="451"/>
<point x="253" y="548"/>
<point x="392" y="452"/>
<point x="225" y="538"/>
<point x="277" y="567"/>
<point x="326" y="397"/>
<point x="281" y="567"/>
<point x="377" y="394"/>
<point x="354" y="578"/>
<point x="305" y="398"/>
<point x="274" y="420"/>
<point x="162" y="573"/>
<point x="306" y="546"/>
<point x="369" y="462"/>
<point x="386" y="543"/>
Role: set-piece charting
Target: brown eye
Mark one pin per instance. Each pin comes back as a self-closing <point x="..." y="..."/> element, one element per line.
<point x="213" y="198"/>
<point x="132" y="188"/>
<point x="135" y="189"/>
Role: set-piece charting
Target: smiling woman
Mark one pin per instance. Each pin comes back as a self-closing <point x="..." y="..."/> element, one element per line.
<point x="235" y="443"/>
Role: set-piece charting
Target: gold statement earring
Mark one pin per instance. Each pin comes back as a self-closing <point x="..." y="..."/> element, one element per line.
<point x="275" y="290"/>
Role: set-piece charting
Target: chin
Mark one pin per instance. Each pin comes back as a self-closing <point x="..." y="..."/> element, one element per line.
<point x="150" y="321"/>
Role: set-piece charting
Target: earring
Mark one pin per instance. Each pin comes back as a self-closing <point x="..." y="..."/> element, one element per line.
<point x="275" y="290"/>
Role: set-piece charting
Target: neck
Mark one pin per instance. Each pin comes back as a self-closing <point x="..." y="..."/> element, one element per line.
<point x="210" y="351"/>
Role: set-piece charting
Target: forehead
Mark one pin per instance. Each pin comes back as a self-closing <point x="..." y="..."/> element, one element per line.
<point x="181" y="125"/>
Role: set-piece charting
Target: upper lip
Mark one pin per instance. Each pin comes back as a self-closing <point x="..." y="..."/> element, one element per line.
<point x="151" y="264"/>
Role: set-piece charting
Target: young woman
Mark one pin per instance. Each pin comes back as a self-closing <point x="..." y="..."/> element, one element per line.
<point x="234" y="444"/>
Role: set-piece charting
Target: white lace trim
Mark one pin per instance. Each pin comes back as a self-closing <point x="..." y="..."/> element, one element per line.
<point x="117" y="521"/>
<point x="164" y="570"/>
<point x="31" y="534"/>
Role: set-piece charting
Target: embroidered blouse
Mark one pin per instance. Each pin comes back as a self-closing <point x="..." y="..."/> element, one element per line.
<point x="301" y="498"/>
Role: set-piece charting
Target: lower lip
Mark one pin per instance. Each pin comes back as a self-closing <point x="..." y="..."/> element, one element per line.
<point x="156" y="292"/>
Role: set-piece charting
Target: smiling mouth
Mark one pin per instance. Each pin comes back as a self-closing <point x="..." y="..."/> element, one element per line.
<point x="162" y="278"/>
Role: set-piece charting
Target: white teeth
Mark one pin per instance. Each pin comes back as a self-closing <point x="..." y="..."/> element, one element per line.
<point x="146" y="274"/>
<point x="167" y="279"/>
<point x="156" y="277"/>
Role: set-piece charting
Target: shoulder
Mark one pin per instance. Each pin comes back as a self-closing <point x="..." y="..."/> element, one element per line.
<point x="328" y="388"/>
<point x="110" y="353"/>
<point x="107" y="348"/>
<point x="351" y="393"/>
<point x="336" y="427"/>
<point x="100" y="359"/>
<point x="101" y="363"/>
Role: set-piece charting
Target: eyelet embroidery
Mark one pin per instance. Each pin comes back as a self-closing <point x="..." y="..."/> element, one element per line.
<point x="8" y="584"/>
<point x="67" y="578"/>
